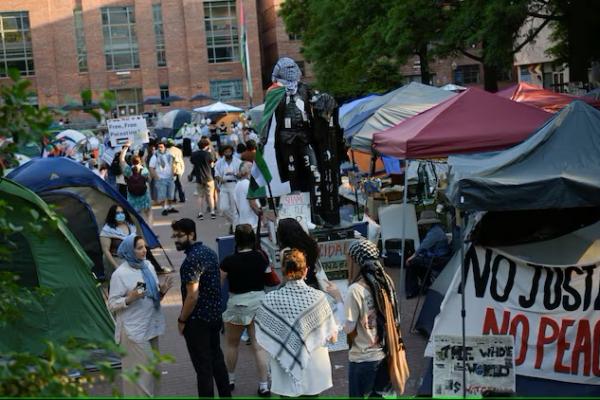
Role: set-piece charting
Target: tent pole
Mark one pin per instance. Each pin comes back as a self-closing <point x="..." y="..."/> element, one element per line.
<point x="356" y="205"/>
<point x="404" y="214"/>
<point x="165" y="253"/>
<point x="463" y="313"/>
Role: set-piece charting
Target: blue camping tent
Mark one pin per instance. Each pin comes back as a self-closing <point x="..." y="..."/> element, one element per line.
<point x="42" y="175"/>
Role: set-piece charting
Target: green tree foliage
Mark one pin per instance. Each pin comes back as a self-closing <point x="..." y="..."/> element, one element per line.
<point x="342" y="40"/>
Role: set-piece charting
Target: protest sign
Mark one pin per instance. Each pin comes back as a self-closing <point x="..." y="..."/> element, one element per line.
<point x="297" y="206"/>
<point x="127" y="130"/>
<point x="551" y="311"/>
<point x="489" y="365"/>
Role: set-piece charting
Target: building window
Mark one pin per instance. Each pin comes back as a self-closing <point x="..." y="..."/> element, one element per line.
<point x="524" y="74"/>
<point x="80" y="41"/>
<point x="161" y="54"/>
<point x="164" y="94"/>
<point x="226" y="90"/>
<point x="128" y="102"/>
<point x="220" y="23"/>
<point x="294" y="36"/>
<point x="15" y="43"/>
<point x="466" y="74"/>
<point x="120" y="41"/>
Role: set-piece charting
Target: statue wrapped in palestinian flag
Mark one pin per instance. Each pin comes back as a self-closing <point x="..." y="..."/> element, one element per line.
<point x="300" y="134"/>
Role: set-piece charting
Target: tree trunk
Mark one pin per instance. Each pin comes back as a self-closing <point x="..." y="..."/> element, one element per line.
<point x="490" y="78"/>
<point x="424" y="61"/>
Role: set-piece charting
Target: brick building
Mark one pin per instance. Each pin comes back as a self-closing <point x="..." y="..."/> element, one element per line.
<point x="136" y="48"/>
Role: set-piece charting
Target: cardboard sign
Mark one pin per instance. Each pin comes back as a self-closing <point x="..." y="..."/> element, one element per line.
<point x="295" y="206"/>
<point x="489" y="362"/>
<point x="127" y="130"/>
<point x="332" y="255"/>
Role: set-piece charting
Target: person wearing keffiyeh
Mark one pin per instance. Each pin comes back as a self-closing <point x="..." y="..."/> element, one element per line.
<point x="365" y="320"/>
<point x="134" y="298"/>
<point x="293" y="325"/>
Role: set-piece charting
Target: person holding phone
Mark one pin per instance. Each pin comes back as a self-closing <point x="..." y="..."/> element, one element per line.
<point x="135" y="295"/>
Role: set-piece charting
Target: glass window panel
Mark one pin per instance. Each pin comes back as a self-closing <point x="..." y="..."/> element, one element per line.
<point x="15" y="42"/>
<point x="220" y="22"/>
<point x="120" y="41"/>
<point x="11" y="23"/>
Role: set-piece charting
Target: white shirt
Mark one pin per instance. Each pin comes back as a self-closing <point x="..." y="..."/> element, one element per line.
<point x="228" y="170"/>
<point x="245" y="214"/>
<point x="316" y="377"/>
<point x="140" y="320"/>
<point x="165" y="172"/>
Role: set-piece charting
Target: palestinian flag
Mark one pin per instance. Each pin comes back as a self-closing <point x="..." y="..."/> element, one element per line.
<point x="261" y="177"/>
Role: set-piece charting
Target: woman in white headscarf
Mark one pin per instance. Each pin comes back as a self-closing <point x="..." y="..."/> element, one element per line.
<point x="134" y="297"/>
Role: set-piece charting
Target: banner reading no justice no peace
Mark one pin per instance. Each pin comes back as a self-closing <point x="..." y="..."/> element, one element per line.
<point x="552" y="312"/>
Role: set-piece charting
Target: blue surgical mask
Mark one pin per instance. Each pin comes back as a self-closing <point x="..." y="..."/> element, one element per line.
<point x="120" y="217"/>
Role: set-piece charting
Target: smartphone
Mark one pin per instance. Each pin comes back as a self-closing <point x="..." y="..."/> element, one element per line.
<point x="140" y="287"/>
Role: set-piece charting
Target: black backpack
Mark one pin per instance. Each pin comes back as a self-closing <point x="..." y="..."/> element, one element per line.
<point x="136" y="183"/>
<point x="115" y="166"/>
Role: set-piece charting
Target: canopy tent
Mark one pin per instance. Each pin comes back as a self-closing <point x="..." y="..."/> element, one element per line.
<point x="45" y="174"/>
<point x="557" y="167"/>
<point x="56" y="261"/>
<point x="453" y="88"/>
<point x="170" y="123"/>
<point x="218" y="107"/>
<point x="542" y="98"/>
<point x="408" y="101"/>
<point x="354" y="119"/>
<point x="472" y="121"/>
<point x="348" y="106"/>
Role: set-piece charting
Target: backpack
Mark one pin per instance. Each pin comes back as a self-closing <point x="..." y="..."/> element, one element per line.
<point x="136" y="183"/>
<point x="115" y="166"/>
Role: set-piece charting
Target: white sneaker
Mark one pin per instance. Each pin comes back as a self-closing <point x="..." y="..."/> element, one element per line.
<point x="245" y="336"/>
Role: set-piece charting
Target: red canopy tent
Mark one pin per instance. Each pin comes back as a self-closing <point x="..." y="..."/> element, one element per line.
<point x="473" y="121"/>
<point x="542" y="98"/>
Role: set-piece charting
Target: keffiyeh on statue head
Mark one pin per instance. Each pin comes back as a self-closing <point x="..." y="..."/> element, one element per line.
<point x="287" y="73"/>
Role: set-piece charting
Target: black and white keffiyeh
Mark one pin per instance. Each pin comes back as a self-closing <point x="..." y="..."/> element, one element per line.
<point x="287" y="72"/>
<point x="291" y="323"/>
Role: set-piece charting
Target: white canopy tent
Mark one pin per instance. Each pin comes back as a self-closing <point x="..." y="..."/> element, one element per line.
<point x="218" y="107"/>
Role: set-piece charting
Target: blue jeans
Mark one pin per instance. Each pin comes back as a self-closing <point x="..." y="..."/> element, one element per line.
<point x="368" y="379"/>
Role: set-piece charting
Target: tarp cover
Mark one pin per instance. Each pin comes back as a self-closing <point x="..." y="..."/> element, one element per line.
<point x="408" y="101"/>
<point x="52" y="259"/>
<point x="542" y="98"/>
<point x="557" y="167"/>
<point x="472" y="121"/>
<point x="43" y="174"/>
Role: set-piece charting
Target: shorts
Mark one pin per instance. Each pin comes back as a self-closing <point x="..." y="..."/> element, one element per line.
<point x="241" y="308"/>
<point x="165" y="189"/>
<point x="206" y="189"/>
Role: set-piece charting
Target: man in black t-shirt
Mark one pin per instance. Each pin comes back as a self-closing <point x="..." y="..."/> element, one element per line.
<point x="203" y="160"/>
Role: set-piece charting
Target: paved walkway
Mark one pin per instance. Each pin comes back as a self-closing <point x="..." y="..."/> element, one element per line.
<point x="179" y="379"/>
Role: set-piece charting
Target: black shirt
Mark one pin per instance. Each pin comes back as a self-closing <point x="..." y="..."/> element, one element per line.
<point x="245" y="271"/>
<point x="202" y="160"/>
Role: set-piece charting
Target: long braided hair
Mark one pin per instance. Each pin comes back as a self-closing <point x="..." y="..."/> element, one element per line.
<point x="366" y="255"/>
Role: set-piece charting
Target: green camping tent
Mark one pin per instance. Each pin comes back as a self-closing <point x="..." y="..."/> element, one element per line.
<point x="55" y="261"/>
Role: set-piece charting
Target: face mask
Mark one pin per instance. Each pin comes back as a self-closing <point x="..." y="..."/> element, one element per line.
<point x="183" y="246"/>
<point x="120" y="217"/>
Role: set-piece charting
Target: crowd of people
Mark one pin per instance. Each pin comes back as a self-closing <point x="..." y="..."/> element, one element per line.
<point x="288" y="327"/>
